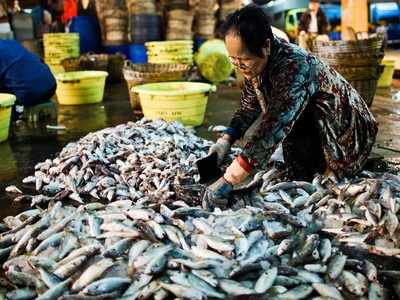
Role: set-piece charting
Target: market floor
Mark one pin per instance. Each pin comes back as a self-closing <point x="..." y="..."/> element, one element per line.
<point x="30" y="144"/>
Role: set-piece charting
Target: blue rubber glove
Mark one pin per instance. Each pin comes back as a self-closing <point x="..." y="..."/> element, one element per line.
<point x="216" y="194"/>
<point x="222" y="148"/>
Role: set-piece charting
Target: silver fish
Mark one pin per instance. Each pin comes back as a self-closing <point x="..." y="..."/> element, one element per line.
<point x="70" y="267"/>
<point x="92" y="273"/>
<point x="266" y="280"/>
<point x="106" y="285"/>
<point x="56" y="291"/>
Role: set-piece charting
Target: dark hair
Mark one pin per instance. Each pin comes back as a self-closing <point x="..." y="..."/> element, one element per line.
<point x="252" y="24"/>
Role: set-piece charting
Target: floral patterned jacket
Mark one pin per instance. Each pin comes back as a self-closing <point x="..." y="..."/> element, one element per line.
<point x="292" y="80"/>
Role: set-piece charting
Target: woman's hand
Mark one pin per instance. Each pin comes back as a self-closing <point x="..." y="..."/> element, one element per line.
<point x="216" y="195"/>
<point x="221" y="147"/>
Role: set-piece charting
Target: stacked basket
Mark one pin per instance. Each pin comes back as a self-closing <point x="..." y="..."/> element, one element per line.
<point x="166" y="52"/>
<point x="102" y="6"/>
<point x="145" y="28"/>
<point x="141" y="7"/>
<point x="205" y="19"/>
<point x="59" y="46"/>
<point x="179" y="24"/>
<point x="228" y="7"/>
<point x="357" y="61"/>
<point x="136" y="74"/>
<point x="145" y="23"/>
<point x="176" y="4"/>
<point x="115" y="27"/>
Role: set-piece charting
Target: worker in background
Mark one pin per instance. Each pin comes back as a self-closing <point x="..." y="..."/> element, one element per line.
<point x="292" y="99"/>
<point x="313" y="25"/>
<point x="3" y="12"/>
<point x="25" y="76"/>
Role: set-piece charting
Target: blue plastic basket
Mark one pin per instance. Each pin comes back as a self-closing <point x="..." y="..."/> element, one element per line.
<point x="335" y="36"/>
<point x="123" y="49"/>
<point x="137" y="53"/>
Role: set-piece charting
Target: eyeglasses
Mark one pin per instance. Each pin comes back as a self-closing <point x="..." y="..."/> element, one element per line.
<point x="241" y="63"/>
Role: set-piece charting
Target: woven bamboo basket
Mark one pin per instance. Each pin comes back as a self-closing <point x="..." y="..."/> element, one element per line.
<point x="71" y="64"/>
<point x="228" y="7"/>
<point x="95" y="62"/>
<point x="115" y="27"/>
<point x="177" y="4"/>
<point x="363" y="79"/>
<point x="86" y="62"/>
<point x="366" y="89"/>
<point x="372" y="45"/>
<point x="179" y="25"/>
<point x="205" y="26"/>
<point x="136" y="74"/>
<point x="101" y="7"/>
<point x="351" y="59"/>
<point x="359" y="73"/>
<point x="357" y="61"/>
<point x="207" y="5"/>
<point x="139" y="7"/>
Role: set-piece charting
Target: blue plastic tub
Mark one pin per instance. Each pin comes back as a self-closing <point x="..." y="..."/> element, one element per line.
<point x="89" y="33"/>
<point x="138" y="53"/>
<point x="335" y="36"/>
<point x="197" y="42"/>
<point x="123" y="49"/>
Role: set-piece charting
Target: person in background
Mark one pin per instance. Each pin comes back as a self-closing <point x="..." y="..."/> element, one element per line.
<point x="3" y="12"/>
<point x="70" y="10"/>
<point x="87" y="8"/>
<point x="5" y="27"/>
<point x="313" y="25"/>
<point x="53" y="14"/>
<point x="293" y="99"/>
<point x="30" y="80"/>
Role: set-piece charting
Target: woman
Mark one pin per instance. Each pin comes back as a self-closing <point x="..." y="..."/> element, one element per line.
<point x="290" y="98"/>
<point x="24" y="75"/>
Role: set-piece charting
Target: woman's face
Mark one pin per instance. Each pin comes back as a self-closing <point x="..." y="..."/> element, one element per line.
<point x="250" y="65"/>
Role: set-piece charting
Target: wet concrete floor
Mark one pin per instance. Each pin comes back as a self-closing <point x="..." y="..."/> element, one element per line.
<point x="29" y="144"/>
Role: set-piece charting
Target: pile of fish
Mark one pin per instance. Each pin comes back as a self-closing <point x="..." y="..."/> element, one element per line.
<point x="363" y="211"/>
<point x="139" y="161"/>
<point x="124" y="251"/>
<point x="275" y="241"/>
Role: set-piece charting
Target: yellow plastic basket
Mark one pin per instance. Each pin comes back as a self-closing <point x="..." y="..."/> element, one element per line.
<point x="387" y="76"/>
<point x="6" y="103"/>
<point x="59" y="46"/>
<point x="185" y="102"/>
<point x="178" y="44"/>
<point x="180" y="51"/>
<point x="83" y="87"/>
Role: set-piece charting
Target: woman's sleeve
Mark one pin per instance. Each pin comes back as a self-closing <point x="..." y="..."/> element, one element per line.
<point x="247" y="113"/>
<point x="292" y="88"/>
